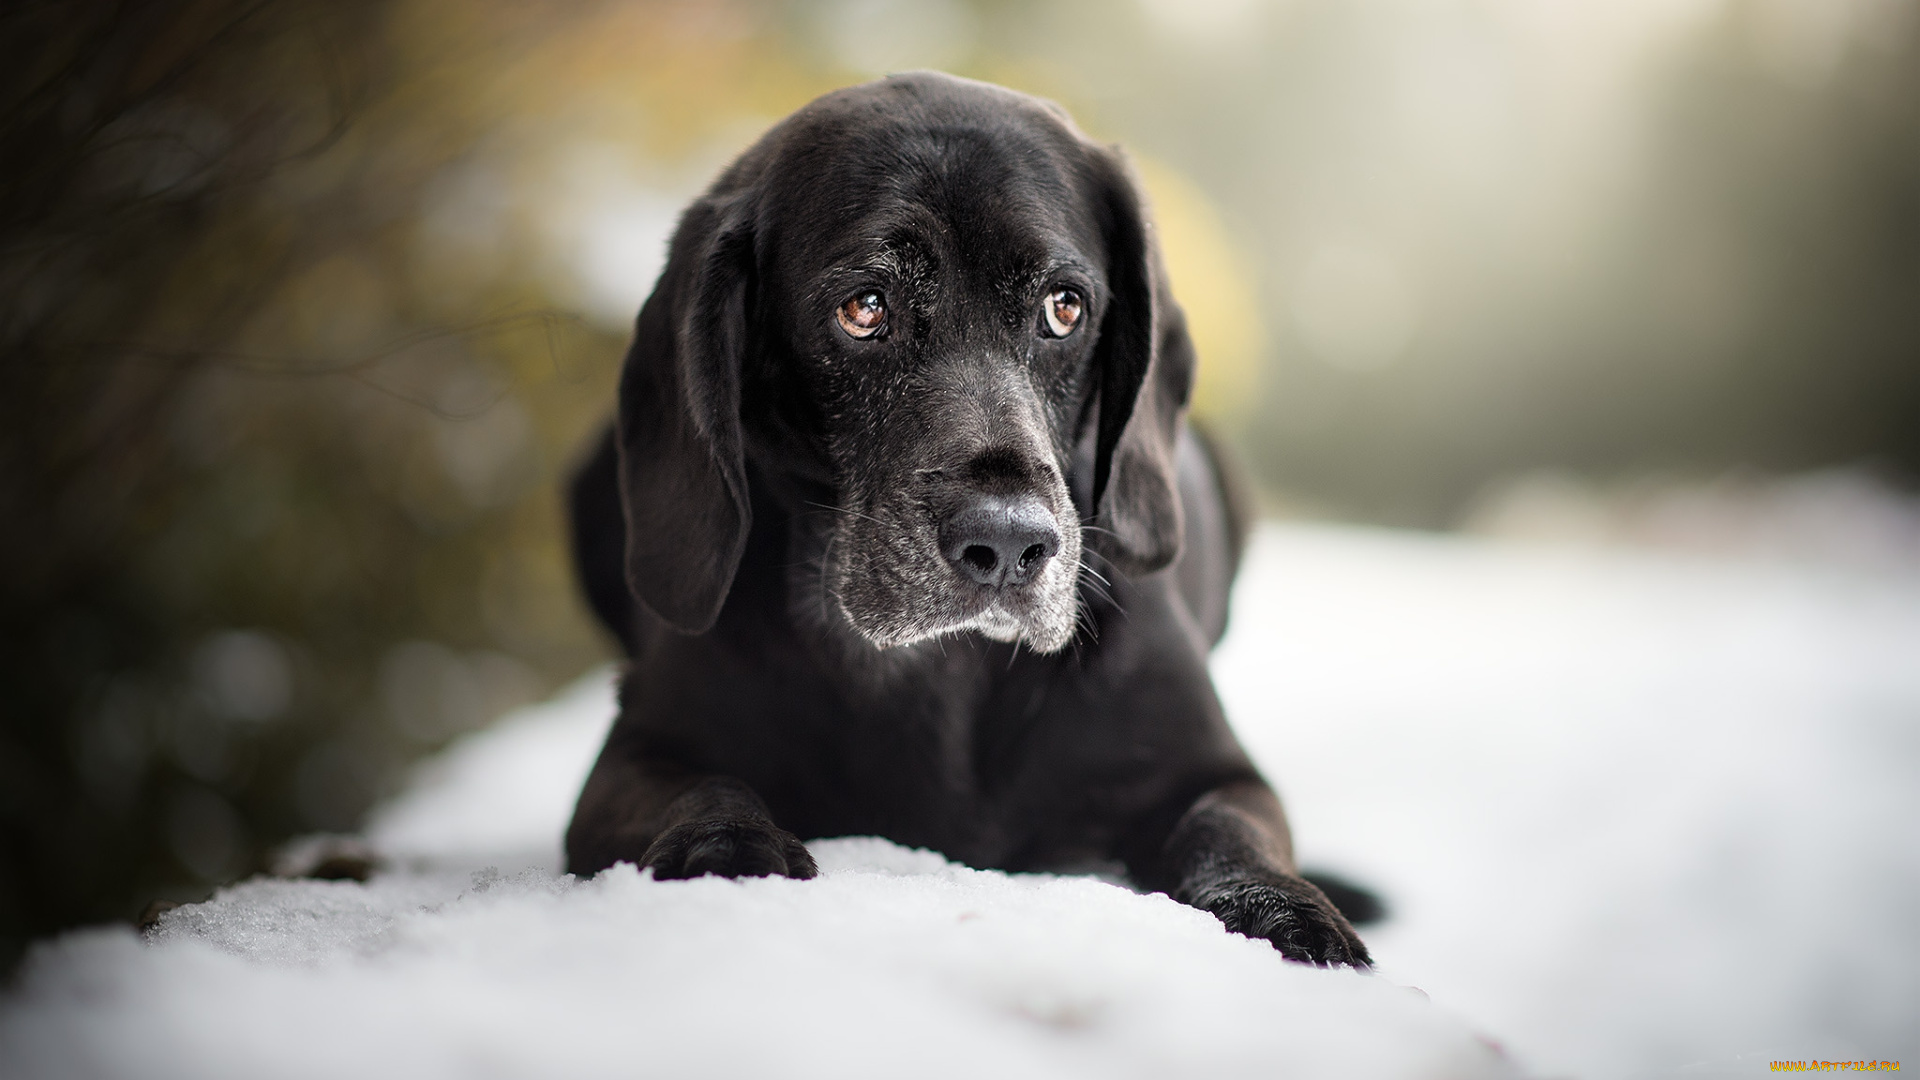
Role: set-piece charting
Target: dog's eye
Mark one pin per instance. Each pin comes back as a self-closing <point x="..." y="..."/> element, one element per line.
<point x="1062" y="312"/>
<point x="863" y="315"/>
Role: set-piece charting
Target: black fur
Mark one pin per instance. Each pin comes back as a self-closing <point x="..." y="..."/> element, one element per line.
<point x="811" y="653"/>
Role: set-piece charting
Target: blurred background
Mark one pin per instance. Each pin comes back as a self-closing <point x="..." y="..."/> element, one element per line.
<point x="306" y="308"/>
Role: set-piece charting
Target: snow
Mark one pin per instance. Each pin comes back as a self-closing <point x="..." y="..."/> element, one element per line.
<point x="1633" y="815"/>
<point x="503" y="797"/>
<point x="893" y="962"/>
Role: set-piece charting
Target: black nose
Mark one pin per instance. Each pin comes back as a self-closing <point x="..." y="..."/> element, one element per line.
<point x="999" y="540"/>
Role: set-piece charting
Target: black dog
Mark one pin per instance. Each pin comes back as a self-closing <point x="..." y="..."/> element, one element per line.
<point x="921" y="543"/>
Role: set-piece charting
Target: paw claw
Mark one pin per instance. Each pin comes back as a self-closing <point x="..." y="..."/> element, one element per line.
<point x="728" y="848"/>
<point x="1291" y="915"/>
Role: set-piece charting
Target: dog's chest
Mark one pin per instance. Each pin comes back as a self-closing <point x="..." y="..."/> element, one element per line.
<point x="963" y="755"/>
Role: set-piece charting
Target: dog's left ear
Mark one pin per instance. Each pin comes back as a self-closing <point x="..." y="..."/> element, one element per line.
<point x="683" y="484"/>
<point x="1143" y="371"/>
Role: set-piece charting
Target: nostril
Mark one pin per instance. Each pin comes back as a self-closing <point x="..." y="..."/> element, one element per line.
<point x="1000" y="541"/>
<point x="981" y="558"/>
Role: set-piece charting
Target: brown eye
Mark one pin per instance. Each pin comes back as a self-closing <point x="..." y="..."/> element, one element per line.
<point x="1062" y="311"/>
<point x="863" y="315"/>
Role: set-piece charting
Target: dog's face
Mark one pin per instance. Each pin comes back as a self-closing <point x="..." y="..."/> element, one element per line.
<point x="933" y="303"/>
<point x="933" y="300"/>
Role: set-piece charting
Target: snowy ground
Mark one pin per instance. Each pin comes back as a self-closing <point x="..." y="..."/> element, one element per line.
<point x="1634" y="816"/>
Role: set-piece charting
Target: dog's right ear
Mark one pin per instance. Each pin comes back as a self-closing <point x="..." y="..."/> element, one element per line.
<point x="683" y="485"/>
<point x="1144" y="363"/>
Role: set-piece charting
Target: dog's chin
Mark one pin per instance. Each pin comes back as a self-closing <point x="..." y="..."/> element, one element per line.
<point x="1041" y="637"/>
<point x="997" y="625"/>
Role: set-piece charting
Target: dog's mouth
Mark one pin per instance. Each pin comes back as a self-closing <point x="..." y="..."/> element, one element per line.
<point x="1007" y="618"/>
<point x="1042" y="623"/>
<point x="999" y="624"/>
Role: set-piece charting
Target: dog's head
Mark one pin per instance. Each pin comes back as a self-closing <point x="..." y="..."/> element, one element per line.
<point x="933" y="307"/>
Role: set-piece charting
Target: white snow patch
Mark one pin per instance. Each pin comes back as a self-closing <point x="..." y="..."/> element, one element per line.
<point x="891" y="963"/>
<point x="1636" y="815"/>
<point x="502" y="796"/>
<point x="1633" y="815"/>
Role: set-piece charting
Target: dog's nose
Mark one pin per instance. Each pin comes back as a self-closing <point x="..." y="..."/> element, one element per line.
<point x="1000" y="541"/>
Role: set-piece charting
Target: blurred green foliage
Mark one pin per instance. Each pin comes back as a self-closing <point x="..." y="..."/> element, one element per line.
<point x="278" y="514"/>
<point x="306" y="307"/>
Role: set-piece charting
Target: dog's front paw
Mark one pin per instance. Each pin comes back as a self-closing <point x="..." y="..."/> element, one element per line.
<point x="1290" y="913"/>
<point x="731" y="848"/>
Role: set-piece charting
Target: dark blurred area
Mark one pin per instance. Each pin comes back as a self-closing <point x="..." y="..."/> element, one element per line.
<point x="277" y="515"/>
<point x="306" y="307"/>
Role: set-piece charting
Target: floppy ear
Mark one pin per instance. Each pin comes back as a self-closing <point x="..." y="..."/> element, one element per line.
<point x="1143" y="371"/>
<point x="683" y="485"/>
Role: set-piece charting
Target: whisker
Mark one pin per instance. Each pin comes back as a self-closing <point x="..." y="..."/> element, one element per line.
<point x="1087" y="554"/>
<point x="1100" y="585"/>
<point x="1104" y="590"/>
<point x="850" y="513"/>
<point x="1085" y="618"/>
<point x="826" y="557"/>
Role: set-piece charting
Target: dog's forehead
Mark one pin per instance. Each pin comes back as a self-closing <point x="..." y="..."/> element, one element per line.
<point x="890" y="165"/>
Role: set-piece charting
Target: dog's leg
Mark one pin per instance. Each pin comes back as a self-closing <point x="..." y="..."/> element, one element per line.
<point x="1230" y="854"/>
<point x="681" y="823"/>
